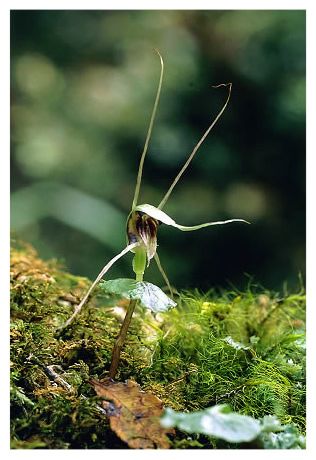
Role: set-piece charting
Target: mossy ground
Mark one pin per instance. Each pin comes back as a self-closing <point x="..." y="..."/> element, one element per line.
<point x="246" y="349"/>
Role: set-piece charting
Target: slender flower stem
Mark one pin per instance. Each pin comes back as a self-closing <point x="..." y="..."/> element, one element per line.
<point x="121" y="338"/>
<point x="139" y="264"/>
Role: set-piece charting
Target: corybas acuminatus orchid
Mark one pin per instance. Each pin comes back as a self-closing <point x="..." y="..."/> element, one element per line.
<point x="144" y="219"/>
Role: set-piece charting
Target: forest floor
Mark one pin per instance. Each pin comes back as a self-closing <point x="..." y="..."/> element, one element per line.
<point x="243" y="349"/>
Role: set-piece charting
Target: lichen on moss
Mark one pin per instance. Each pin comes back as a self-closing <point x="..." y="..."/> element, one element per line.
<point x="243" y="349"/>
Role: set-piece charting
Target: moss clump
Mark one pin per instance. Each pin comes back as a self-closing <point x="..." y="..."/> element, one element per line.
<point x="45" y="412"/>
<point x="246" y="350"/>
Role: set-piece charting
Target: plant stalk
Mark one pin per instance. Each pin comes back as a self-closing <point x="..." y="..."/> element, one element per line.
<point x="139" y="265"/>
<point x="121" y="338"/>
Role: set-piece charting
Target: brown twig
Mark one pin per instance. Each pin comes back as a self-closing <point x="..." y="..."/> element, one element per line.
<point x="52" y="375"/>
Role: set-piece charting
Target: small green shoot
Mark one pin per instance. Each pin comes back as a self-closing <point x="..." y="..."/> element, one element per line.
<point x="142" y="224"/>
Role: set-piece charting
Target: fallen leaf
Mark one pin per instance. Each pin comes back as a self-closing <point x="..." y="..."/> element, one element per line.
<point x="134" y="415"/>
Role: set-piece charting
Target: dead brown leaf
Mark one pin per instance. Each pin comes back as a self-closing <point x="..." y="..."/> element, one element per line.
<point x="133" y="414"/>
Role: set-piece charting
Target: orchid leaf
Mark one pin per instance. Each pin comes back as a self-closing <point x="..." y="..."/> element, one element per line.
<point x="148" y="295"/>
<point x="215" y="421"/>
<point x="161" y="216"/>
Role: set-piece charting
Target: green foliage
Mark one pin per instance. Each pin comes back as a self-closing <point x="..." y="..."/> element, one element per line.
<point x="220" y="422"/>
<point x="246" y="351"/>
<point x="148" y="295"/>
<point x="215" y="421"/>
<point x="243" y="350"/>
<point x="276" y="436"/>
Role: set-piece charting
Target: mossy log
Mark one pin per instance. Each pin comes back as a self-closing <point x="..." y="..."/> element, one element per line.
<point x="246" y="350"/>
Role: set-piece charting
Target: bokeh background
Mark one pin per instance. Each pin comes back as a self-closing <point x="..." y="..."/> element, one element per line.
<point x="83" y="87"/>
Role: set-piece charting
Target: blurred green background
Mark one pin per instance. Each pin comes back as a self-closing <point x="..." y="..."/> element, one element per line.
<point x="83" y="87"/>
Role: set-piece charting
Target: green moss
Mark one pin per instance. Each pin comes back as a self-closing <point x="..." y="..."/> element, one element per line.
<point x="246" y="350"/>
<point x="211" y="358"/>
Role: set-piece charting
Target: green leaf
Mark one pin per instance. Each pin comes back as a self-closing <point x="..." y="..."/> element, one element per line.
<point x="215" y="421"/>
<point x="288" y="438"/>
<point x="156" y="213"/>
<point x="276" y="436"/>
<point x="270" y="423"/>
<point x="149" y="295"/>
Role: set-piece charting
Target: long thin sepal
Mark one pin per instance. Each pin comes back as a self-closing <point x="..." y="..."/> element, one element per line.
<point x="153" y="115"/>
<point x="208" y="224"/>
<point x="163" y="273"/>
<point x="95" y="282"/>
<point x="161" y="216"/>
<point x="165" y="198"/>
